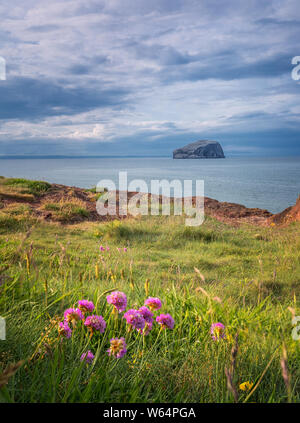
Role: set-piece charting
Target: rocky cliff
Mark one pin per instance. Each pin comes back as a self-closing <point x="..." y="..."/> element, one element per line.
<point x="203" y="149"/>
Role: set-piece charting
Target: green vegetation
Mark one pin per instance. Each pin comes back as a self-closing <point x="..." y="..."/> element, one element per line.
<point x="18" y="189"/>
<point x="247" y="278"/>
<point x="66" y="210"/>
<point x="26" y="186"/>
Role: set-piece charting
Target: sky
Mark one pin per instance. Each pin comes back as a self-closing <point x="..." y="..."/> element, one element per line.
<point x="141" y="77"/>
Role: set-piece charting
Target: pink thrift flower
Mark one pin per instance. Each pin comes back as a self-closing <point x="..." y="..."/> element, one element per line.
<point x="86" y="306"/>
<point x="95" y="323"/>
<point x="135" y="319"/>
<point x="166" y="321"/>
<point x="64" y="330"/>
<point x="153" y="303"/>
<point x="217" y="331"/>
<point x="73" y="315"/>
<point x="125" y="249"/>
<point x="146" y="313"/>
<point x="117" y="347"/>
<point x="88" y="357"/>
<point x="117" y="299"/>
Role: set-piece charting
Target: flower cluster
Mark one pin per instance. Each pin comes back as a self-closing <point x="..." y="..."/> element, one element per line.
<point x="217" y="331"/>
<point x="117" y="347"/>
<point x="166" y="321"/>
<point x="125" y="249"/>
<point x="64" y="329"/>
<point x="95" y="323"/>
<point x="134" y="319"/>
<point x="88" y="357"/>
<point x="86" y="306"/>
<point x="73" y="315"/>
<point x="153" y="303"/>
<point x="141" y="319"/>
<point x="118" y="300"/>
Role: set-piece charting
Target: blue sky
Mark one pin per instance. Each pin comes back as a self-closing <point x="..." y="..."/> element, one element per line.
<point x="133" y="77"/>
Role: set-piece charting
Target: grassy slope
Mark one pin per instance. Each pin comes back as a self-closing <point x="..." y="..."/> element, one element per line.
<point x="254" y="271"/>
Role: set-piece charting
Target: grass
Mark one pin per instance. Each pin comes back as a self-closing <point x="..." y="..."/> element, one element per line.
<point x="66" y="210"/>
<point x="247" y="279"/>
<point x="20" y="189"/>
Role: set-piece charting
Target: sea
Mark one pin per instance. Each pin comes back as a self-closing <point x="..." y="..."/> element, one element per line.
<point x="271" y="183"/>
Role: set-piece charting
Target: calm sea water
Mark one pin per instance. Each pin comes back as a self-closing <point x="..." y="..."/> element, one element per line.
<point x="268" y="183"/>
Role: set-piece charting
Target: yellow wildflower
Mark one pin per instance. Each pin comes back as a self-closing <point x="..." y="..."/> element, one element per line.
<point x="246" y="386"/>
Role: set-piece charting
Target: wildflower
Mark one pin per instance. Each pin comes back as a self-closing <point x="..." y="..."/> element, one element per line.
<point x="217" y="331"/>
<point x="118" y="300"/>
<point x="101" y="248"/>
<point x="135" y="319"/>
<point x="73" y="315"/>
<point x="166" y="321"/>
<point x="146" y="313"/>
<point x="246" y="386"/>
<point x="153" y="303"/>
<point x="95" y="323"/>
<point x="117" y="347"/>
<point x="125" y="249"/>
<point x="86" y="306"/>
<point x="88" y="357"/>
<point x="64" y="329"/>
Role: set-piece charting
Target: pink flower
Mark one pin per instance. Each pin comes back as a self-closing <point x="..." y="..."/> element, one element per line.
<point x="86" y="306"/>
<point x="73" y="315"/>
<point x="64" y="330"/>
<point x="166" y="321"/>
<point x="146" y="313"/>
<point x="153" y="303"/>
<point x="95" y="323"/>
<point x="117" y="347"/>
<point x="117" y="299"/>
<point x="135" y="319"/>
<point x="88" y="357"/>
<point x="102" y="248"/>
<point x="217" y="331"/>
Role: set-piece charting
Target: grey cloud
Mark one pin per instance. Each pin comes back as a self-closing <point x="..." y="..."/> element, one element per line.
<point x="33" y="99"/>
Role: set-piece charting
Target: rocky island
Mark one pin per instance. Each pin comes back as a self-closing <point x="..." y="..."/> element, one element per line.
<point x="203" y="149"/>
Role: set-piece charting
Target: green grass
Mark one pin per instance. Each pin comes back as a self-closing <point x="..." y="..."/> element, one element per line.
<point x="27" y="186"/>
<point x="67" y="210"/>
<point x="250" y="276"/>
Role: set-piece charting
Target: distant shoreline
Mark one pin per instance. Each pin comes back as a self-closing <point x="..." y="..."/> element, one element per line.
<point x="21" y="157"/>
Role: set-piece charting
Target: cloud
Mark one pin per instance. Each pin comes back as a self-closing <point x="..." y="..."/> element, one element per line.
<point x="145" y="75"/>
<point x="33" y="99"/>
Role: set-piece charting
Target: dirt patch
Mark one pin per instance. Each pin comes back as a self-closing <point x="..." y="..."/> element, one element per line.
<point x="287" y="216"/>
<point x="59" y="194"/>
